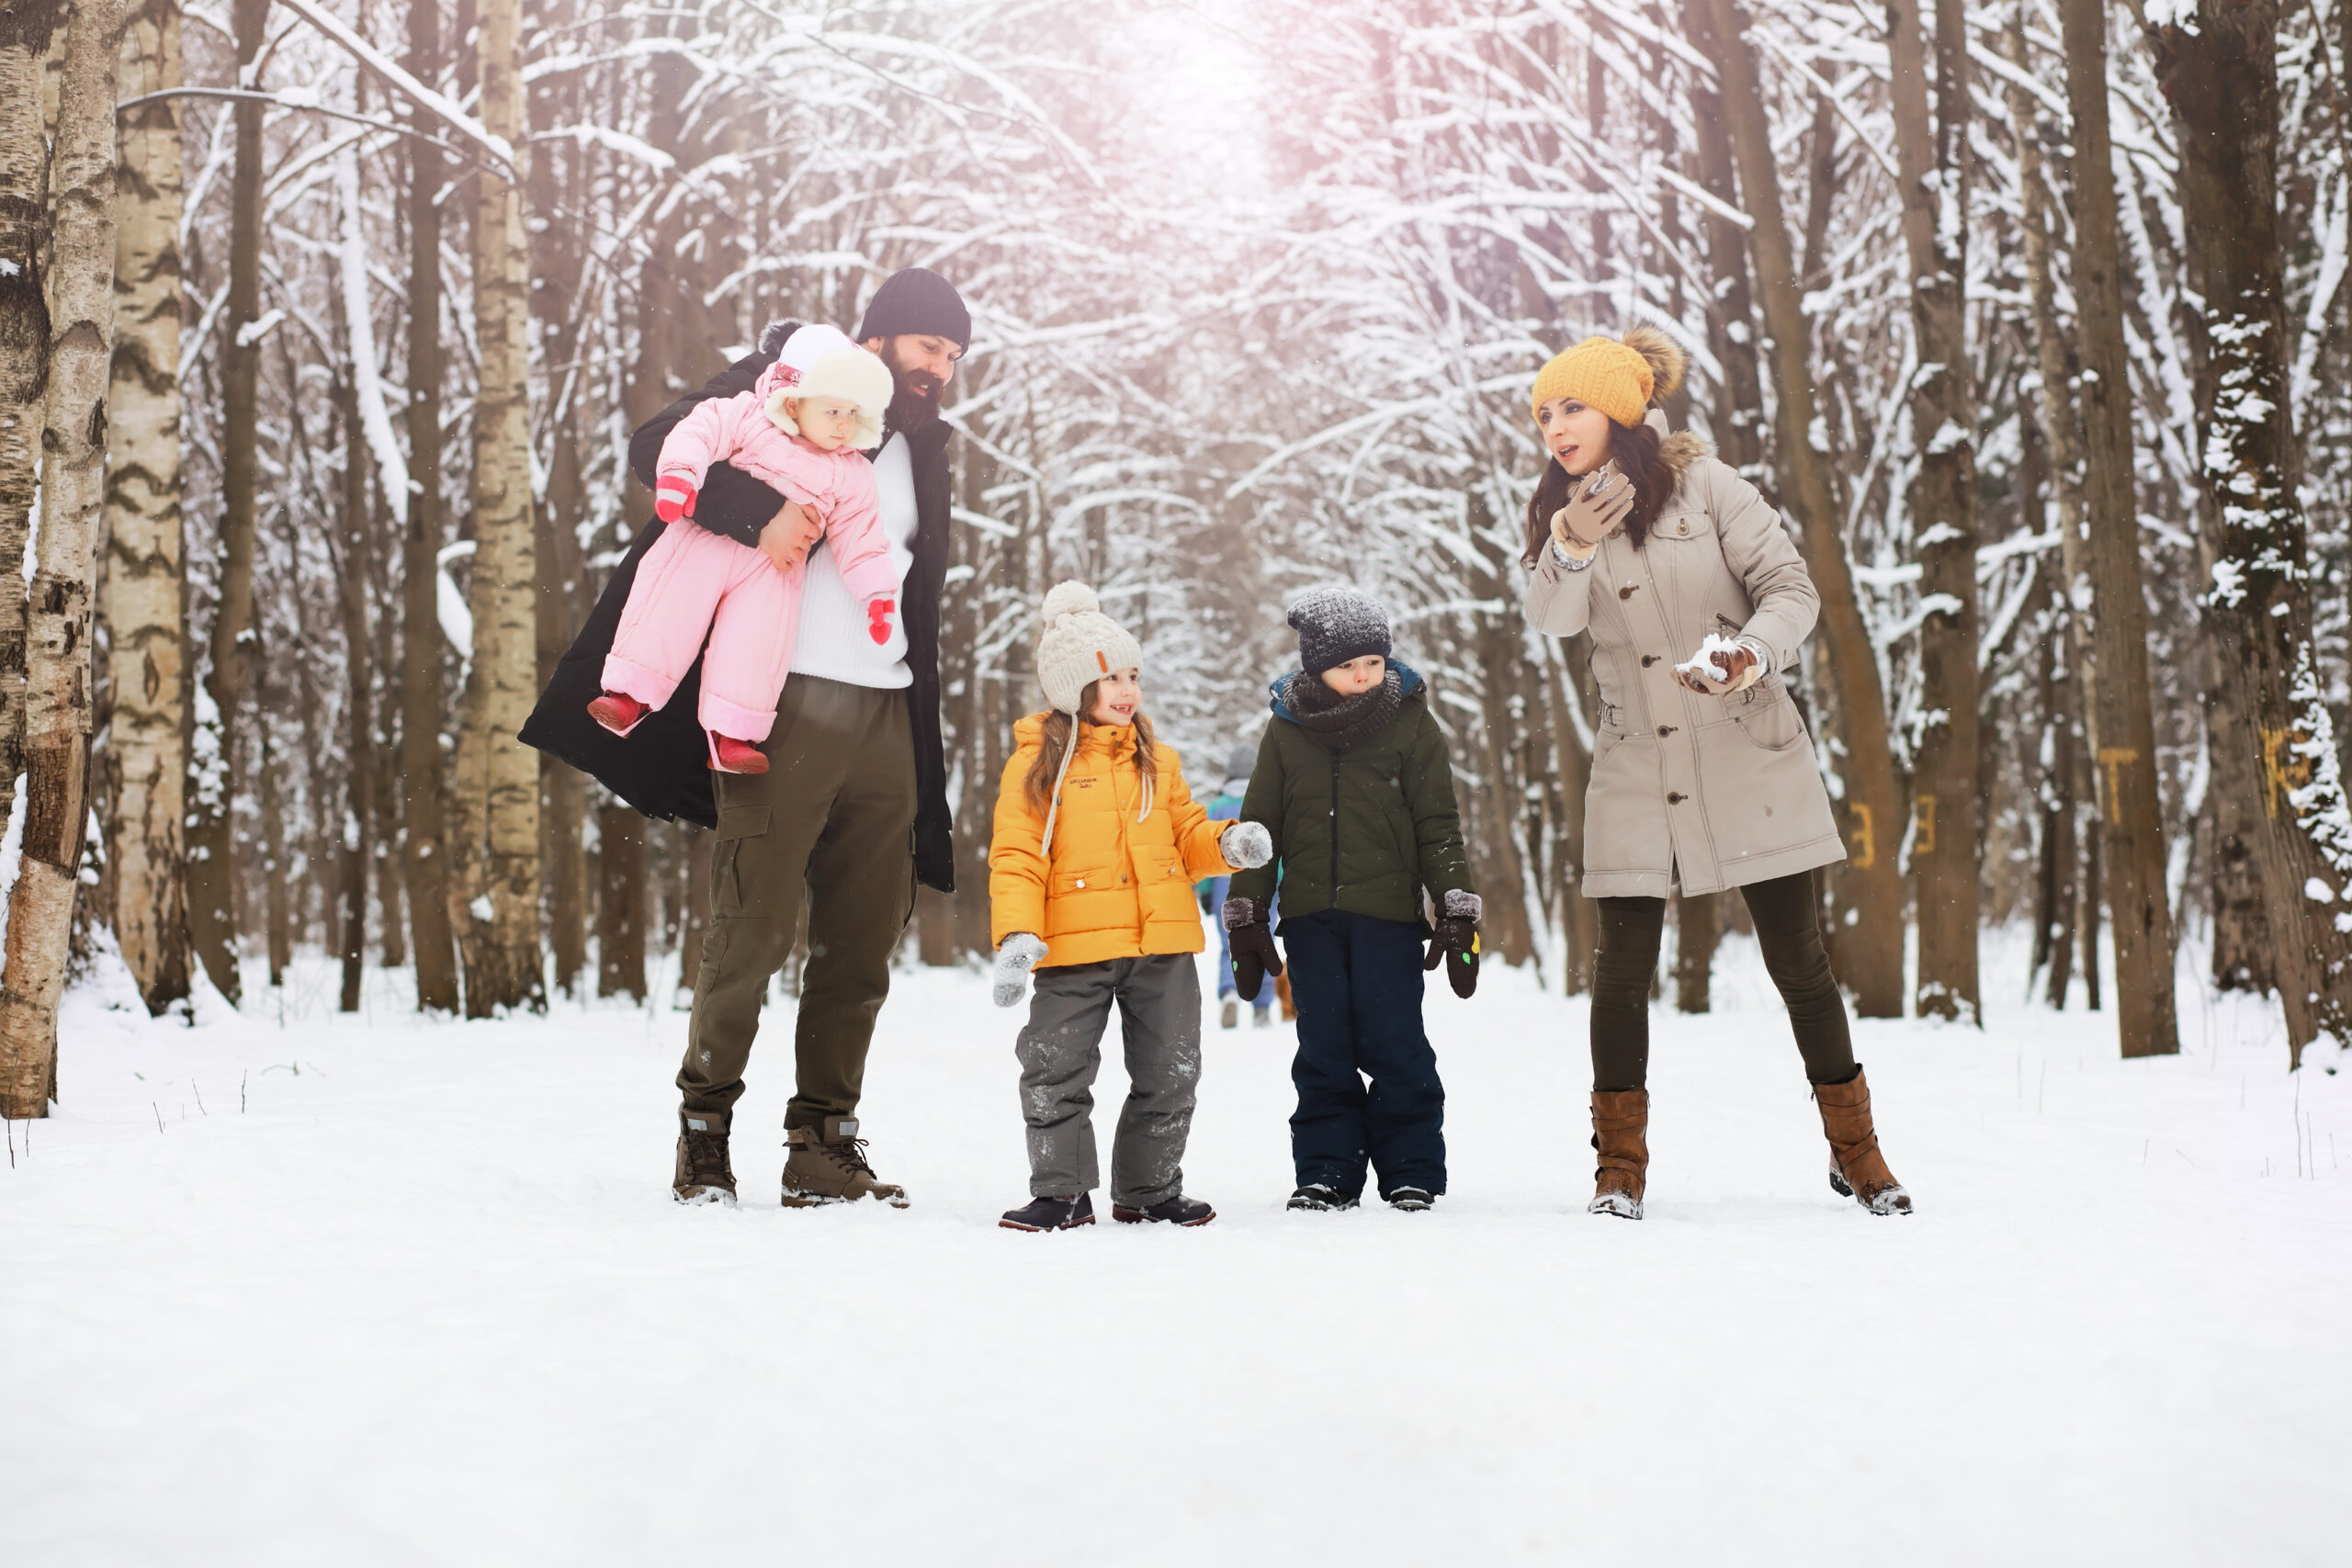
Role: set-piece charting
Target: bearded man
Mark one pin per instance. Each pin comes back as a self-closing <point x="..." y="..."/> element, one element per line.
<point x="853" y="810"/>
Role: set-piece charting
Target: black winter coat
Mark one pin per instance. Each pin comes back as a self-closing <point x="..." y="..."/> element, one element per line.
<point x="661" y="768"/>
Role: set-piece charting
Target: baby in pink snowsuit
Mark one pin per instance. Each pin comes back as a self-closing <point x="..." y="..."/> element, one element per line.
<point x="804" y="431"/>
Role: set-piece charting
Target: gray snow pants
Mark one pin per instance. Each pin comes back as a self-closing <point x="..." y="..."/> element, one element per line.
<point x="1060" y="1050"/>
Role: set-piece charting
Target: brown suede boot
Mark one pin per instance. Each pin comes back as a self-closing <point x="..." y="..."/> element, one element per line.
<point x="1620" y="1122"/>
<point x="1857" y="1169"/>
<point x="703" y="1174"/>
<point x="827" y="1164"/>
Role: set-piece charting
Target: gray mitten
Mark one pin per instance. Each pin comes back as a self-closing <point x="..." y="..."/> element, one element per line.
<point x="1246" y="844"/>
<point x="1019" y="954"/>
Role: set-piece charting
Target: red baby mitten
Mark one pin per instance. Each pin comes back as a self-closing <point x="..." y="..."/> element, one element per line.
<point x="674" y="499"/>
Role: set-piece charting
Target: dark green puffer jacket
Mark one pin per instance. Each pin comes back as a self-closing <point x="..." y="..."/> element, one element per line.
<point x="1395" y="830"/>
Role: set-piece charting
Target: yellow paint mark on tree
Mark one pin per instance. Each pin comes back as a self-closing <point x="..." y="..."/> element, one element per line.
<point x="1865" y="841"/>
<point x="2283" y="767"/>
<point x="2115" y="759"/>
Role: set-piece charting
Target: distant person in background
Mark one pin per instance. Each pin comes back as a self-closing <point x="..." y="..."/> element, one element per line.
<point x="1704" y="777"/>
<point x="1354" y="782"/>
<point x="1091" y="868"/>
<point x="1225" y="804"/>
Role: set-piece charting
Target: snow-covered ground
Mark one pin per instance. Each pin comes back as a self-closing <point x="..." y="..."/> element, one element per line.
<point x="294" y="1288"/>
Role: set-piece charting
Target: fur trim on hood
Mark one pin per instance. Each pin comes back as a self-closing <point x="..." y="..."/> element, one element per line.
<point x="821" y="362"/>
<point x="1684" y="450"/>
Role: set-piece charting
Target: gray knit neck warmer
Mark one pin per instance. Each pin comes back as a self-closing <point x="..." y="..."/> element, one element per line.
<point x="1341" y="722"/>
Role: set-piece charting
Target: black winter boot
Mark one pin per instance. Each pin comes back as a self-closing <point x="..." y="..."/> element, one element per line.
<point x="1177" y="1211"/>
<point x="1319" y="1195"/>
<point x="704" y="1175"/>
<point x="1051" y="1213"/>
<point x="1412" y="1200"/>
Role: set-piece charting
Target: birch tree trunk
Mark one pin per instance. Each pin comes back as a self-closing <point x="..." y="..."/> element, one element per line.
<point x="2221" y="80"/>
<point x="1870" y="951"/>
<point x="59" y="603"/>
<point x="499" y="777"/>
<point x="423" y="847"/>
<point x="212" y="756"/>
<point x="145" y="595"/>
<point x="1932" y="160"/>
<point x="25" y="30"/>
<point x="2131" y="864"/>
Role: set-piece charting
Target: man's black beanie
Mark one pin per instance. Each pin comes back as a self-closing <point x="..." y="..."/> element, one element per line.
<point x="1335" y="625"/>
<point x="916" y="300"/>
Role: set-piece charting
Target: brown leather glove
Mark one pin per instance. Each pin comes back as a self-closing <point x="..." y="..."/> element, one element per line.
<point x="1596" y="509"/>
<point x="1720" y="667"/>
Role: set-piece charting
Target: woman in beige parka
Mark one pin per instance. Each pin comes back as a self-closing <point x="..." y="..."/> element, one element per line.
<point x="1703" y="776"/>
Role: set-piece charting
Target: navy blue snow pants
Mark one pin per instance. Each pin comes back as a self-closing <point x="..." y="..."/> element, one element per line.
<point x="1357" y="981"/>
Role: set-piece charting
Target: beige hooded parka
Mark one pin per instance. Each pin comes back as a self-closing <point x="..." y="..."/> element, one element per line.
<point x="1720" y="791"/>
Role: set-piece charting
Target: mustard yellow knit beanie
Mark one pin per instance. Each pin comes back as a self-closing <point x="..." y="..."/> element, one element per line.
<point x="1621" y="377"/>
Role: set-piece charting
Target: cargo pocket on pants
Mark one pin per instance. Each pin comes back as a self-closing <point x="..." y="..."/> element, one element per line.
<point x="739" y="827"/>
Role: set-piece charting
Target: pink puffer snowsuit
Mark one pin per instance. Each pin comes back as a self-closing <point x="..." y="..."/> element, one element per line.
<point x="693" y="581"/>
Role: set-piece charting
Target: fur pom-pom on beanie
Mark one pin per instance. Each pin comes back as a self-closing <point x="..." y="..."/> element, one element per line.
<point x="1621" y="377"/>
<point x="819" y="361"/>
<point x="1081" y="644"/>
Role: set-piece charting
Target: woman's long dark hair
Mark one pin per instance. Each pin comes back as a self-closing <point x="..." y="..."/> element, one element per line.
<point x="1039" y="785"/>
<point x="1637" y="454"/>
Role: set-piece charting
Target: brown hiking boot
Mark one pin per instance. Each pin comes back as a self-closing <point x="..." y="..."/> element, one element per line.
<point x="703" y="1174"/>
<point x="1857" y="1169"/>
<point x="828" y="1164"/>
<point x="1620" y="1124"/>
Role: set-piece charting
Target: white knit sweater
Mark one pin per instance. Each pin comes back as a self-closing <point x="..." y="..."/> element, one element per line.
<point x="833" y="643"/>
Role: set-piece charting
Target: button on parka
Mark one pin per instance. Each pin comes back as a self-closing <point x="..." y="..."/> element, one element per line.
<point x="1723" y="789"/>
<point x="1381" y="811"/>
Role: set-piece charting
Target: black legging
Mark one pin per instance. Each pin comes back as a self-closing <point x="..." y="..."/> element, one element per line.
<point x="1787" y="929"/>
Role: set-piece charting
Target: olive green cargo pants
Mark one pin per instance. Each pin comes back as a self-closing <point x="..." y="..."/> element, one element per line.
<point x="834" y="816"/>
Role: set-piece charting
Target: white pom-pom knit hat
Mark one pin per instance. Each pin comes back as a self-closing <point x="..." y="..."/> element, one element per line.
<point x="1080" y="646"/>
<point x="820" y="362"/>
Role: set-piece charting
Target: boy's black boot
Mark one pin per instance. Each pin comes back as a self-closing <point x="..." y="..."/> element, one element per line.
<point x="1320" y="1195"/>
<point x="1177" y="1211"/>
<point x="703" y="1174"/>
<point x="1051" y="1213"/>
<point x="1412" y="1200"/>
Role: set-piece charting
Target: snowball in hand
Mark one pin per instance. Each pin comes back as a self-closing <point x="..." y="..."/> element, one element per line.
<point x="1704" y="664"/>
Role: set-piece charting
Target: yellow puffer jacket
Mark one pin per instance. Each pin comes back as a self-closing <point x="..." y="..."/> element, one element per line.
<point x="1116" y="887"/>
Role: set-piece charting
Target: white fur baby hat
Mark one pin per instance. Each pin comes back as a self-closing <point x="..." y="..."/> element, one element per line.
<point x="1080" y="644"/>
<point x="819" y="361"/>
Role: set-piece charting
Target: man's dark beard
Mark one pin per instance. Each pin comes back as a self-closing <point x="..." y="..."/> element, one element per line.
<point x="914" y="396"/>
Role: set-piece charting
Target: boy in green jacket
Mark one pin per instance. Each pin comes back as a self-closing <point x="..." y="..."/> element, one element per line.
<point x="1353" y="782"/>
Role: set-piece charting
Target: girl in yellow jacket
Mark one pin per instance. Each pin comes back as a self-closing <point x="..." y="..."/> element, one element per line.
<point x="1091" y="873"/>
